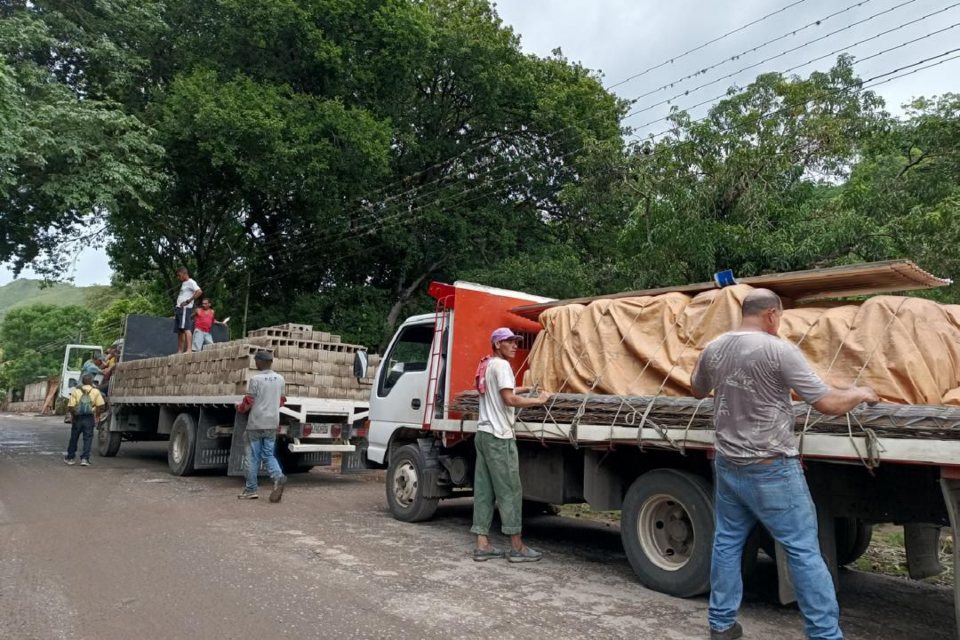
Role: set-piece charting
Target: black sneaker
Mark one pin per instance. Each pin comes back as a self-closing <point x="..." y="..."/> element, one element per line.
<point x="730" y="633"/>
<point x="248" y="495"/>
<point x="277" y="492"/>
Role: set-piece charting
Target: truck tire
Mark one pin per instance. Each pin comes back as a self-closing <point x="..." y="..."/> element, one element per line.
<point x="108" y="442"/>
<point x="180" y="449"/>
<point x="404" y="489"/>
<point x="667" y="527"/>
<point x="853" y="538"/>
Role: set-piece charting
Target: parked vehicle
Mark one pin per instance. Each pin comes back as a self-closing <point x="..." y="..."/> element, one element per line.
<point x="665" y="495"/>
<point x="204" y="430"/>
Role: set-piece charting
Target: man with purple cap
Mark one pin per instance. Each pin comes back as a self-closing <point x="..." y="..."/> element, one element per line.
<point x="497" y="475"/>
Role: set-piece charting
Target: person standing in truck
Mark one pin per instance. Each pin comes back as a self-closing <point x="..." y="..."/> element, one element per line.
<point x="262" y="401"/>
<point x="182" y="315"/>
<point x="84" y="407"/>
<point x="203" y="319"/>
<point x="757" y="472"/>
<point x="497" y="473"/>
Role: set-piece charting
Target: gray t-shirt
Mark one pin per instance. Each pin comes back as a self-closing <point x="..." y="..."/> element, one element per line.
<point x="751" y="374"/>
<point x="266" y="389"/>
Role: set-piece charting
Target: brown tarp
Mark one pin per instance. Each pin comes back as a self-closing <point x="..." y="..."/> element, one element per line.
<point x="632" y="346"/>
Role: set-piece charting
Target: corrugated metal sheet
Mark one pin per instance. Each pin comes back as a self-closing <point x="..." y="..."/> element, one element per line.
<point x="868" y="278"/>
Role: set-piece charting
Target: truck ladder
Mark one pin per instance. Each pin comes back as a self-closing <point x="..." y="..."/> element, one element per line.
<point x="440" y="323"/>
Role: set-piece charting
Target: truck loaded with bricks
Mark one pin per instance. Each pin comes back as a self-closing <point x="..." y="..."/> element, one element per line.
<point x="189" y="399"/>
<point x="644" y="446"/>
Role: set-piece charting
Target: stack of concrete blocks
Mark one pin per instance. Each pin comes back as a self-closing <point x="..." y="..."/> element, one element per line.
<point x="212" y="372"/>
<point x="315" y="364"/>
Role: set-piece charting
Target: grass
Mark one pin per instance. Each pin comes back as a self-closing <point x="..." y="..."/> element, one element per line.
<point x="886" y="554"/>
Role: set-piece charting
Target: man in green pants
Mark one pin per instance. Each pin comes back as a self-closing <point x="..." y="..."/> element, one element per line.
<point x="497" y="477"/>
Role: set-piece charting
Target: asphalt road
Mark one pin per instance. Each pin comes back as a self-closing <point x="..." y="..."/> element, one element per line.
<point x="123" y="550"/>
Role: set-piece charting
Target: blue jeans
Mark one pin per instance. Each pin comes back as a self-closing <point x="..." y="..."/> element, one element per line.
<point x="777" y="496"/>
<point x="261" y="448"/>
<point x="81" y="425"/>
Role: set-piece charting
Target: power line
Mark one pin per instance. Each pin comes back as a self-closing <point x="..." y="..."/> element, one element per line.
<point x="816" y="23"/>
<point x="770" y="58"/>
<point x="830" y="54"/>
<point x="876" y="80"/>
<point x="487" y="191"/>
<point x="704" y="45"/>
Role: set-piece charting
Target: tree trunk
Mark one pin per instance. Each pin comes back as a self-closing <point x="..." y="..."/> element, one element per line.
<point x="404" y="295"/>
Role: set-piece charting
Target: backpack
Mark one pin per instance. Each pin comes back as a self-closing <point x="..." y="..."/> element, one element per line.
<point x="85" y="403"/>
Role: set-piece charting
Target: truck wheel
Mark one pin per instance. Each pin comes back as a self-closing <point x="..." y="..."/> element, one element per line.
<point x="108" y="442"/>
<point x="183" y="438"/>
<point x="405" y="486"/>
<point x="853" y="538"/>
<point x="667" y="531"/>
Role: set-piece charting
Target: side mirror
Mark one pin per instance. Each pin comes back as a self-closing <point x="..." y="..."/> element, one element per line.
<point x="360" y="365"/>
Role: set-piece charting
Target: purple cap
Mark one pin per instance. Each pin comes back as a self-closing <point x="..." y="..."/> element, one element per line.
<point x="502" y="335"/>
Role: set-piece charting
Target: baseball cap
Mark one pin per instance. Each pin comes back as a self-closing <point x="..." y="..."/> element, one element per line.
<point x="502" y="335"/>
<point x="264" y="356"/>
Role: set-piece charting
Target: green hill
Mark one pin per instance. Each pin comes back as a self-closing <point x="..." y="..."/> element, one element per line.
<point x="25" y="292"/>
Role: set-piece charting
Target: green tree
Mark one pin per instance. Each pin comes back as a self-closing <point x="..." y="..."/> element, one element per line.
<point x="354" y="151"/>
<point x="749" y="187"/>
<point x="70" y="154"/>
<point x="904" y="192"/>
<point x="108" y="325"/>
<point x="32" y="340"/>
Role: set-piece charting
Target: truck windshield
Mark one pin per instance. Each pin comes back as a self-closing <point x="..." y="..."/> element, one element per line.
<point x="411" y="352"/>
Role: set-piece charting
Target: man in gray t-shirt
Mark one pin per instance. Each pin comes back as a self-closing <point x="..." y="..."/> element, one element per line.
<point x="751" y="374"/>
<point x="757" y="473"/>
<point x="262" y="402"/>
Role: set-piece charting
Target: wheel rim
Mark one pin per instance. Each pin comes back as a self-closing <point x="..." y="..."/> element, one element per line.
<point x="405" y="483"/>
<point x="179" y="449"/>
<point x="666" y="532"/>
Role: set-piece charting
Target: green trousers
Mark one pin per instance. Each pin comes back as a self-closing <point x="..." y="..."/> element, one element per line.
<point x="496" y="480"/>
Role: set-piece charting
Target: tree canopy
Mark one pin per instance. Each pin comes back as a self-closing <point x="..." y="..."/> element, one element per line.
<point x="340" y="154"/>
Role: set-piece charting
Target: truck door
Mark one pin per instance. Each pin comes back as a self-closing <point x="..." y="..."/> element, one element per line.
<point x="73" y="358"/>
<point x="400" y="389"/>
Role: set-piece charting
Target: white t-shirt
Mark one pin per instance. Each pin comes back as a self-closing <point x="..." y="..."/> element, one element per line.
<point x="188" y="288"/>
<point x="495" y="416"/>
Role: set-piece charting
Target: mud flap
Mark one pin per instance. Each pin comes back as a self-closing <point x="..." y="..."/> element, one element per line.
<point x="238" y="446"/>
<point x="922" y="543"/>
<point x="827" y="533"/>
<point x="950" y="484"/>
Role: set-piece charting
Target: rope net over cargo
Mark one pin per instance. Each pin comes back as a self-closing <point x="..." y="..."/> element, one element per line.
<point x="627" y="362"/>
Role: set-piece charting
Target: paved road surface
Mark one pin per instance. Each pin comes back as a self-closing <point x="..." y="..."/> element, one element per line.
<point x="124" y="550"/>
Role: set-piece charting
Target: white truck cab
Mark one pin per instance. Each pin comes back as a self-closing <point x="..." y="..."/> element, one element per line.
<point x="400" y="386"/>
<point x="73" y="358"/>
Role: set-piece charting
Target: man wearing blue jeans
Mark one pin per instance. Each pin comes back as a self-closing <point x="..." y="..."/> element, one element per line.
<point x="758" y="477"/>
<point x="263" y="400"/>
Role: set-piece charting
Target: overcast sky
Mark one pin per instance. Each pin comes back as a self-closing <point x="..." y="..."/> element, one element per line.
<point x="624" y="38"/>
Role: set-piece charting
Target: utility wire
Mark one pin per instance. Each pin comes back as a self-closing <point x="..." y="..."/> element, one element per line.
<point x="704" y="45"/>
<point x="788" y="34"/>
<point x="828" y="55"/>
<point x="770" y="58"/>
<point x="486" y="191"/>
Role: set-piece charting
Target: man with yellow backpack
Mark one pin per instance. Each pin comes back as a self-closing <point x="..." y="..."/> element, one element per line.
<point x="85" y="406"/>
